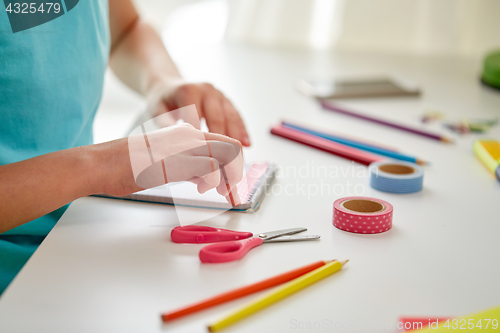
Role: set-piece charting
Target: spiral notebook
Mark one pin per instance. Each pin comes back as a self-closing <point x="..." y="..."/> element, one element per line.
<point x="252" y="190"/>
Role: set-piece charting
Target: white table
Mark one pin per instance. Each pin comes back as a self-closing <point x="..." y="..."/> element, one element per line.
<point x="109" y="266"/>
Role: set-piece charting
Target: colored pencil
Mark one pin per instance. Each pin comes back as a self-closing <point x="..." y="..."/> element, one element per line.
<point x="355" y="144"/>
<point x="429" y="135"/>
<point x="240" y="292"/>
<point x="277" y="294"/>
<point x="343" y="136"/>
<point x="331" y="147"/>
<point x="488" y="152"/>
<point x="487" y="317"/>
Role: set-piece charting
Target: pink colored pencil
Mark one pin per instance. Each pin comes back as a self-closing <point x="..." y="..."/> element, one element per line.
<point x="331" y="147"/>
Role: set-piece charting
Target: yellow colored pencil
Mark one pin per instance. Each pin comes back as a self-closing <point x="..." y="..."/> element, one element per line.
<point x="277" y="294"/>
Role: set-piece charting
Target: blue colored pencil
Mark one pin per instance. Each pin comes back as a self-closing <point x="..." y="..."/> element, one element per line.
<point x="356" y="144"/>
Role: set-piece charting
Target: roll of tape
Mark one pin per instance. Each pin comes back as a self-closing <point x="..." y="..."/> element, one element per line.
<point x="396" y="177"/>
<point x="362" y="215"/>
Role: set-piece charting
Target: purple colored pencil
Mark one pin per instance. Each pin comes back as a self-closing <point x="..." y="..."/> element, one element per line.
<point x="337" y="109"/>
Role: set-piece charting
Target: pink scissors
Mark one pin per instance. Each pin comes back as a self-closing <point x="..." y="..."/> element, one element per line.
<point x="234" y="244"/>
<point x="194" y="234"/>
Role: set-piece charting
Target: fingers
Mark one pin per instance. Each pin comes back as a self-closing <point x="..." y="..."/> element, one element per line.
<point x="190" y="154"/>
<point x="173" y="140"/>
<point x="230" y="160"/>
<point x="228" y="155"/>
<point x="207" y="175"/>
<point x="213" y="110"/>
<point x="224" y="152"/>
<point x="204" y="162"/>
<point x="221" y="116"/>
<point x="222" y="138"/>
<point x="211" y="179"/>
<point x="235" y="127"/>
<point x="233" y="172"/>
<point x="214" y="179"/>
<point x="185" y="95"/>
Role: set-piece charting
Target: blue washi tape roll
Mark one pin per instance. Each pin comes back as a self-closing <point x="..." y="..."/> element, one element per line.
<point x="396" y="177"/>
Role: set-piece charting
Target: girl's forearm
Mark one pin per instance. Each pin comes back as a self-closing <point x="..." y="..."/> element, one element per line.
<point x="32" y="188"/>
<point x="141" y="60"/>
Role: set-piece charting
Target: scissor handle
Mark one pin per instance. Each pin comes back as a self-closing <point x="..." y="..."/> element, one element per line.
<point x="228" y="251"/>
<point x="194" y="234"/>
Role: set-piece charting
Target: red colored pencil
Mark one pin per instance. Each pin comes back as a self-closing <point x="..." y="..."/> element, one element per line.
<point x="243" y="291"/>
<point x="331" y="147"/>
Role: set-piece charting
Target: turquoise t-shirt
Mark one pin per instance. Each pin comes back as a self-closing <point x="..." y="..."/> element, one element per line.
<point x="51" y="80"/>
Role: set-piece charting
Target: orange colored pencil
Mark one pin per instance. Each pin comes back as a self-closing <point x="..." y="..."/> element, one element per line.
<point x="243" y="291"/>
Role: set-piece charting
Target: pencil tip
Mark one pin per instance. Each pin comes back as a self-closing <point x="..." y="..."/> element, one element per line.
<point x="447" y="140"/>
<point x="421" y="162"/>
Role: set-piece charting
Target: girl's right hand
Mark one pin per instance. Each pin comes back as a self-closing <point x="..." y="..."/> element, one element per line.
<point x="172" y="154"/>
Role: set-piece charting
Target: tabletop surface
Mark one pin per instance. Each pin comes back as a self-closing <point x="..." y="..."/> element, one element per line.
<point x="109" y="265"/>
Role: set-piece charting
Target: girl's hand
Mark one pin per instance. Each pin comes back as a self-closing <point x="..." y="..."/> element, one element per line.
<point x="172" y="154"/>
<point x="219" y="113"/>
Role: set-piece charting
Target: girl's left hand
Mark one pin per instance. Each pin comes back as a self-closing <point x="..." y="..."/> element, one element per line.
<point x="219" y="113"/>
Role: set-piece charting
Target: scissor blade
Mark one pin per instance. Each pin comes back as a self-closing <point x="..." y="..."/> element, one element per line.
<point x="279" y="233"/>
<point x="292" y="238"/>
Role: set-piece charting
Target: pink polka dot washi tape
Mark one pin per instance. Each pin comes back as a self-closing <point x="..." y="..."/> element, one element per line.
<point x="362" y="215"/>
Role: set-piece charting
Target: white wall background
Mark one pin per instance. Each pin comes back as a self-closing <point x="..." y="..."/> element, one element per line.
<point x="463" y="27"/>
<point x="445" y="27"/>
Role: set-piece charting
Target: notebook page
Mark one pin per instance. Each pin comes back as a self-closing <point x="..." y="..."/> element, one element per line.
<point x="186" y="193"/>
